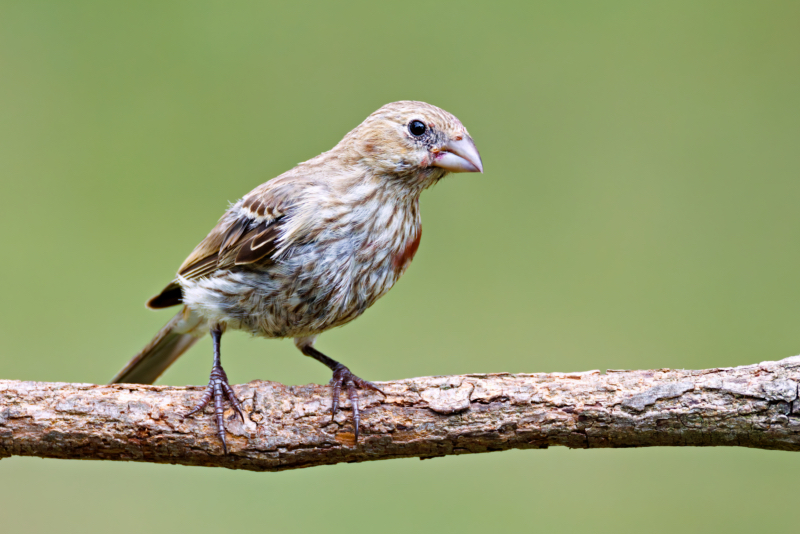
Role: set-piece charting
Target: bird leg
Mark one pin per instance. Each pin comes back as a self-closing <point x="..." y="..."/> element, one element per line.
<point x="342" y="377"/>
<point x="218" y="388"/>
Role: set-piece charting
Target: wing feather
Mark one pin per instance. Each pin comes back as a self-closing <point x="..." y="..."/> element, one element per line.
<point x="235" y="232"/>
<point x="169" y="296"/>
<point x="260" y="247"/>
<point x="247" y="234"/>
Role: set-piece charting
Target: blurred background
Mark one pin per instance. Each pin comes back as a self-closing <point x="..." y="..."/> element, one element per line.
<point x="639" y="210"/>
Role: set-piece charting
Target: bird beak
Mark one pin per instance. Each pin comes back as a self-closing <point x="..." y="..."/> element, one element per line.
<point x="459" y="156"/>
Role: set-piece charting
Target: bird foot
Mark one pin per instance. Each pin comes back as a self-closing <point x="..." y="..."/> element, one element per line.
<point x="342" y="377"/>
<point x="219" y="389"/>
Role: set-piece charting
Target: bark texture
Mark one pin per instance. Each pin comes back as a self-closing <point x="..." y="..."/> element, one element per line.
<point x="290" y="427"/>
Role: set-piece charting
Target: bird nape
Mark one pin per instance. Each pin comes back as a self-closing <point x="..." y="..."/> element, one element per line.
<point x="311" y="249"/>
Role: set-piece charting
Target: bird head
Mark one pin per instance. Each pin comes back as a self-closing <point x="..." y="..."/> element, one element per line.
<point x="414" y="140"/>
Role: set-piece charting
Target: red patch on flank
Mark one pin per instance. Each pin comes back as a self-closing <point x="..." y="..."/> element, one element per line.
<point x="400" y="261"/>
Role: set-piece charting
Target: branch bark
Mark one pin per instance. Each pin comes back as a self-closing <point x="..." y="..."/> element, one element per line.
<point x="290" y="427"/>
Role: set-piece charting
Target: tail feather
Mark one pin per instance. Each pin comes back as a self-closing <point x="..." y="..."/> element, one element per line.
<point x="177" y="336"/>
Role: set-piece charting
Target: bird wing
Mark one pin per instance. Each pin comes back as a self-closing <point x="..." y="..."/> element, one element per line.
<point x="247" y="234"/>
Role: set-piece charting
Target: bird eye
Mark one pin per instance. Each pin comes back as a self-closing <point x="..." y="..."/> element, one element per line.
<point x="416" y="128"/>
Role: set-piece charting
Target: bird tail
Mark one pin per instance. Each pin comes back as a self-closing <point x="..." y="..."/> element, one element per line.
<point x="177" y="336"/>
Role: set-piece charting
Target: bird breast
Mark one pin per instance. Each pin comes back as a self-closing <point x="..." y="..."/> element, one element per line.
<point x="359" y="255"/>
<point x="402" y="259"/>
<point x="349" y="259"/>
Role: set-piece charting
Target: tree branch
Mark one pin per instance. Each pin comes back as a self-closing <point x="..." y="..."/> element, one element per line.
<point x="290" y="427"/>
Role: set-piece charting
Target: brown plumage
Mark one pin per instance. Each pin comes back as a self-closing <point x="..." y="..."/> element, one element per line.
<point x="313" y="248"/>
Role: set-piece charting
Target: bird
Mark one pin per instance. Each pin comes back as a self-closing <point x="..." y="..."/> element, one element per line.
<point x="310" y="249"/>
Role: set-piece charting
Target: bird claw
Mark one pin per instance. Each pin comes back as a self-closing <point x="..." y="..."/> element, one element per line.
<point x="219" y="389"/>
<point x="342" y="377"/>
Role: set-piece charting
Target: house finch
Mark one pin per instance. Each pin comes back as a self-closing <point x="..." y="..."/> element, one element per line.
<point x="311" y="249"/>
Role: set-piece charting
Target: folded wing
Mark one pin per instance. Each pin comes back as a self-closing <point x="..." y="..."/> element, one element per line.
<point x="247" y="234"/>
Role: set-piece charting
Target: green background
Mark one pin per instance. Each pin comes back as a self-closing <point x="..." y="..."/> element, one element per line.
<point x="639" y="210"/>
